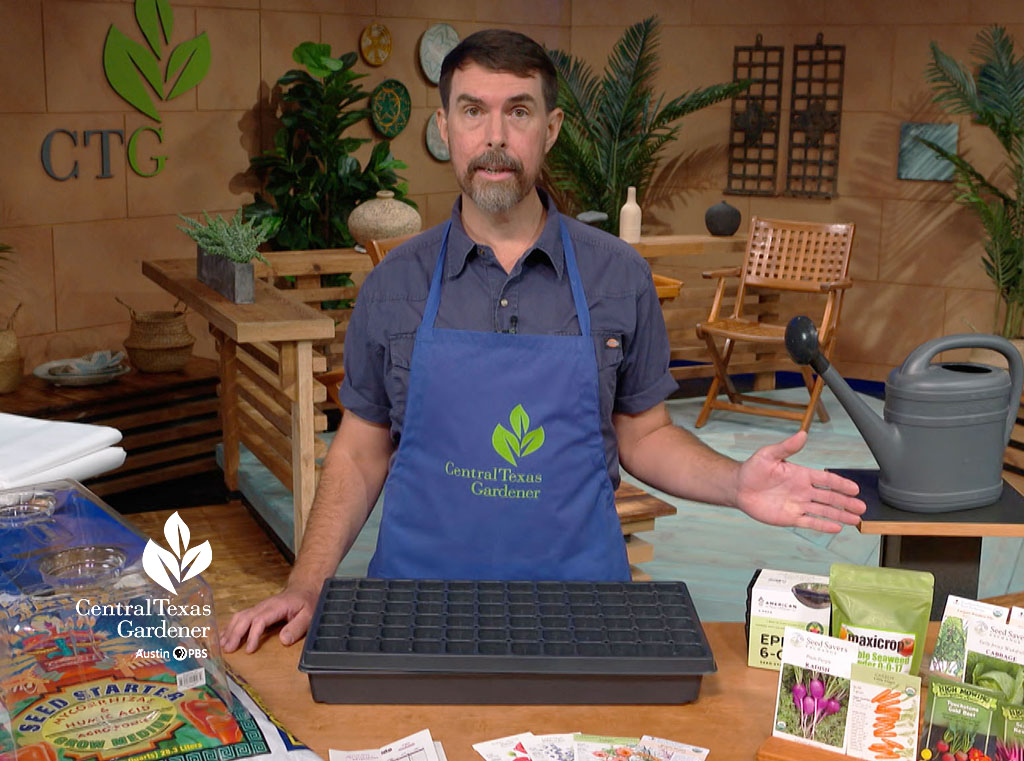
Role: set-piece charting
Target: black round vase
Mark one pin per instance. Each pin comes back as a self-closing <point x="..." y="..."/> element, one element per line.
<point x="722" y="219"/>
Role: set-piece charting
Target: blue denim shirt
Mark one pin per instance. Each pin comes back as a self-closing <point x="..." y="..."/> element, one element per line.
<point x="626" y="320"/>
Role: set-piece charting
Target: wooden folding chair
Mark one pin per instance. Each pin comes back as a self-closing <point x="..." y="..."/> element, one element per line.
<point x="802" y="257"/>
<point x="378" y="249"/>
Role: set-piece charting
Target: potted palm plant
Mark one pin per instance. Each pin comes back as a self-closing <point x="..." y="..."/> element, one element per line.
<point x="615" y="127"/>
<point x="992" y="93"/>
<point x="225" y="250"/>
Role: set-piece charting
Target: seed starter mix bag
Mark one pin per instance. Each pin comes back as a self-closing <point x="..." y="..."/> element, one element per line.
<point x="884" y="611"/>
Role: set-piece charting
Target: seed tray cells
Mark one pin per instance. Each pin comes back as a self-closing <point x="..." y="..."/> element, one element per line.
<point x="644" y="632"/>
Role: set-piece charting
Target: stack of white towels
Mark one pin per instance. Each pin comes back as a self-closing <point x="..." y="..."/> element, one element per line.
<point x="34" y="451"/>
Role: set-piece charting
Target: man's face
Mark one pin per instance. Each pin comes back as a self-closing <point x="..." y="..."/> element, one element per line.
<point x="498" y="133"/>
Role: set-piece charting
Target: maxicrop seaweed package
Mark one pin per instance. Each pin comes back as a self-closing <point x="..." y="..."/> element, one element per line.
<point x="884" y="611"/>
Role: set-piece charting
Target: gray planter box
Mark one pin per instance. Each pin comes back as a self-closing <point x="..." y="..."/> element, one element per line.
<point x="233" y="280"/>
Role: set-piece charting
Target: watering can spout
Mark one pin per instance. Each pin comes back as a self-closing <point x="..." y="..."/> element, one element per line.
<point x="881" y="437"/>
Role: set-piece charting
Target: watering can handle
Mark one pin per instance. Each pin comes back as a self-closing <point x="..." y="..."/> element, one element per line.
<point x="922" y="356"/>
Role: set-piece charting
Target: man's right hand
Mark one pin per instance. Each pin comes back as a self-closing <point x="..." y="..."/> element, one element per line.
<point x="291" y="605"/>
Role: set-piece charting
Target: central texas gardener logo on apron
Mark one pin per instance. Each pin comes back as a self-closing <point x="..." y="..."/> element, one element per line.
<point x="520" y="441"/>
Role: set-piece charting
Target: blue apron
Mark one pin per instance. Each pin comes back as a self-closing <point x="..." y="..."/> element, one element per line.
<point x="500" y="472"/>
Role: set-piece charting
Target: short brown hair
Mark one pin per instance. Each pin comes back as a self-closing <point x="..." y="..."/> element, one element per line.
<point x="501" y="50"/>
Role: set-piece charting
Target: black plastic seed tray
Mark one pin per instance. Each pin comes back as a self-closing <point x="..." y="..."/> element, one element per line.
<point x="417" y="641"/>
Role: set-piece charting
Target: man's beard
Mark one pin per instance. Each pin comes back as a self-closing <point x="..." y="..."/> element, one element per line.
<point x="493" y="196"/>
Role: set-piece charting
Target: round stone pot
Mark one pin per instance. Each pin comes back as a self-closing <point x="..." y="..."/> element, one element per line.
<point x="722" y="219"/>
<point x="381" y="218"/>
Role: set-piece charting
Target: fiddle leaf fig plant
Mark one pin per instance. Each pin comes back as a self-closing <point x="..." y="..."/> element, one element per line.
<point x="615" y="127"/>
<point x="310" y="178"/>
<point x="992" y="93"/>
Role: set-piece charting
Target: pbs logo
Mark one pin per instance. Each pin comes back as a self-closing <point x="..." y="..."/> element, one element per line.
<point x="180" y="653"/>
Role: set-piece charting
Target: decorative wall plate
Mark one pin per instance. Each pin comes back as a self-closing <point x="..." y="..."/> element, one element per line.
<point x="391" y="106"/>
<point x="435" y="144"/>
<point x="435" y="44"/>
<point x="375" y="44"/>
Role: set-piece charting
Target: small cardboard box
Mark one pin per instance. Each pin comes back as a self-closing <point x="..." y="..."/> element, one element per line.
<point x="779" y="599"/>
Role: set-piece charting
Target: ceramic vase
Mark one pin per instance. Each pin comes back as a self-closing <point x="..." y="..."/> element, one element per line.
<point x="629" y="218"/>
<point x="381" y="218"/>
<point x="722" y="219"/>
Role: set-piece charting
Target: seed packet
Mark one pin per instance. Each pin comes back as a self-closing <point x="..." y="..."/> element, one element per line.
<point x="995" y="659"/>
<point x="951" y="646"/>
<point x="1010" y="736"/>
<point x="605" y="748"/>
<point x="777" y="599"/>
<point x="550" y="747"/>
<point x="814" y="689"/>
<point x="959" y="718"/>
<point x="884" y="710"/>
<point x="885" y="611"/>
<point x="669" y="750"/>
<point x="504" y="748"/>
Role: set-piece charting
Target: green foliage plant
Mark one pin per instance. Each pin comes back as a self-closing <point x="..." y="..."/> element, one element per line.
<point x="615" y="127"/>
<point x="312" y="182"/>
<point x="994" y="98"/>
<point x="232" y="239"/>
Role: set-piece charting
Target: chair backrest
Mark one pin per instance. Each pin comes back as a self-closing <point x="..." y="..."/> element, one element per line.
<point x="796" y="256"/>
<point x="783" y="255"/>
<point x="378" y="249"/>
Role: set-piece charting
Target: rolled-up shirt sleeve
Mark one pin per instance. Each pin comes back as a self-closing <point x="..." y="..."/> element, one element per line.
<point x="644" y="377"/>
<point x="363" y="391"/>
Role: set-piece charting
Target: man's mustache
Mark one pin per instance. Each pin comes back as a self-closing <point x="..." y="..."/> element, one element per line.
<point x="496" y="159"/>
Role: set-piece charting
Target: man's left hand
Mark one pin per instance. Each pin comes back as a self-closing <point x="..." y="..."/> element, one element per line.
<point x="780" y="493"/>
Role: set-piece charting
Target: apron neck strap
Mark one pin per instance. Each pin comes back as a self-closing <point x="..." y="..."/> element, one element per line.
<point x="578" y="296"/>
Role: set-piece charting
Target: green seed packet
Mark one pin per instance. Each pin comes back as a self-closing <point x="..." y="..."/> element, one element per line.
<point x="959" y="717"/>
<point x="884" y="611"/>
<point x="995" y="659"/>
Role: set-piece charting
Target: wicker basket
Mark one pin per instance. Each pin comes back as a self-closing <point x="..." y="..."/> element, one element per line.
<point x="11" y="369"/>
<point x="158" y="342"/>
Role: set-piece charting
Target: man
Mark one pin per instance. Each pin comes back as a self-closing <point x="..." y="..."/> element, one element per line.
<point x="500" y="367"/>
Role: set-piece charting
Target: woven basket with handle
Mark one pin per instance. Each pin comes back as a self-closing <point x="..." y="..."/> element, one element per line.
<point x="158" y="341"/>
<point x="11" y="369"/>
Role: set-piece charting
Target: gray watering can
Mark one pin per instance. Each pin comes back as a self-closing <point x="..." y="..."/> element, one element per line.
<point x="940" y="446"/>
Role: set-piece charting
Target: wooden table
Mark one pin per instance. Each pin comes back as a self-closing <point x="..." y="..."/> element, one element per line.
<point x="267" y="389"/>
<point x="732" y="716"/>
<point x="168" y="420"/>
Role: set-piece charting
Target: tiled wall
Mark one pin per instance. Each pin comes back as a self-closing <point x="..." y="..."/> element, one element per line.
<point x="80" y="242"/>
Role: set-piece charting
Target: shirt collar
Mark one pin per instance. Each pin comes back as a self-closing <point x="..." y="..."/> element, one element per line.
<point x="460" y="245"/>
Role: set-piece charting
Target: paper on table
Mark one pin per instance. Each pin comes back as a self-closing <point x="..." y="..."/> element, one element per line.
<point x="29" y="446"/>
<point x="557" y="747"/>
<point x="600" y="747"/>
<point x="416" y="747"/>
<point x="504" y="748"/>
<point x="670" y="750"/>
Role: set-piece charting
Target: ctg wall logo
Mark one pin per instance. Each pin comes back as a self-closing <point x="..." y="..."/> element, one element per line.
<point x="143" y="73"/>
<point x="152" y="618"/>
<point x="512" y="446"/>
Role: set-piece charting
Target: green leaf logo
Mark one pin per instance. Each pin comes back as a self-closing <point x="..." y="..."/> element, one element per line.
<point x="130" y="66"/>
<point x="520" y="441"/>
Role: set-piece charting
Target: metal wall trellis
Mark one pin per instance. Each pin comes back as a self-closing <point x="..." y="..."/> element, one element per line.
<point x="754" y="121"/>
<point x="816" y="105"/>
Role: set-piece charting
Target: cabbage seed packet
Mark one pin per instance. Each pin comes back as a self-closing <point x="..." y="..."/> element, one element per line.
<point x="884" y="611"/>
<point x="995" y="659"/>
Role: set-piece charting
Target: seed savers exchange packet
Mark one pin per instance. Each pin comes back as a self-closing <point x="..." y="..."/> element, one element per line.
<point x="951" y="646"/>
<point x="883" y="716"/>
<point x="814" y="689"/>
<point x="995" y="659"/>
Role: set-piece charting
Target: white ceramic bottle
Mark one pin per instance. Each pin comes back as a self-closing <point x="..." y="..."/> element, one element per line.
<point x="629" y="218"/>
